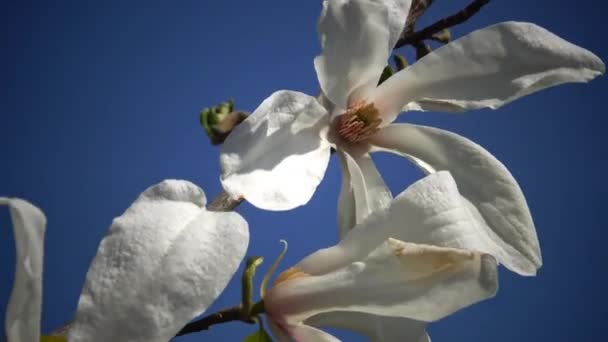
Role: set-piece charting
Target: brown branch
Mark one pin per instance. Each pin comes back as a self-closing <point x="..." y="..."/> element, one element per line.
<point x="223" y="316"/>
<point x="232" y="314"/>
<point x="412" y="38"/>
<point x="422" y="49"/>
<point x="223" y="202"/>
<point x="416" y="10"/>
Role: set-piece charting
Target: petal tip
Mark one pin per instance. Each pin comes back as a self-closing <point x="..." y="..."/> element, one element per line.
<point x="269" y="200"/>
<point x="488" y="275"/>
<point x="176" y="190"/>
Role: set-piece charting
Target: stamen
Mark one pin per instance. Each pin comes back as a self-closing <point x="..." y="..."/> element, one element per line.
<point x="359" y="122"/>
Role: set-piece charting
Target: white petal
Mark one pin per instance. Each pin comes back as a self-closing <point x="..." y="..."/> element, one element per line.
<point x="415" y="209"/>
<point x="163" y="262"/>
<point x="363" y="190"/>
<point x="430" y="211"/>
<point x="433" y="106"/>
<point x="276" y="158"/>
<point x="277" y="332"/>
<point x="25" y="304"/>
<point x="355" y="42"/>
<point x="496" y="201"/>
<point x="397" y="279"/>
<point x="298" y="332"/>
<point x="397" y="14"/>
<point x="346" y="200"/>
<point x="306" y="333"/>
<point x="488" y="68"/>
<point x="376" y="328"/>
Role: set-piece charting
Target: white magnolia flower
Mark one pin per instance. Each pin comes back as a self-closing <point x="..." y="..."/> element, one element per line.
<point x="162" y="263"/>
<point x="276" y="158"/>
<point x="373" y="273"/>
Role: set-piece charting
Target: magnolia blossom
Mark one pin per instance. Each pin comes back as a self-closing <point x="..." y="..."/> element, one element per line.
<point x="162" y="263"/>
<point x="418" y="261"/>
<point x="276" y="158"/>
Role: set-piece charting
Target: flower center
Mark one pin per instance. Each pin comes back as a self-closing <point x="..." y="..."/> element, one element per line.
<point x="290" y="274"/>
<point x="359" y="122"/>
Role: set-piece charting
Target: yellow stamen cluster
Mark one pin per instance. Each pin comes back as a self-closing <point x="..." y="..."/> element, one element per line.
<point x="359" y="122"/>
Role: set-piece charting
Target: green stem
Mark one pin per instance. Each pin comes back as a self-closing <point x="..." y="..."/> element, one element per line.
<point x="247" y="284"/>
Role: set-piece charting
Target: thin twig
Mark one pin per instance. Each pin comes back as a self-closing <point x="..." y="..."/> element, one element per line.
<point x="232" y="314"/>
<point x="224" y="202"/>
<point x="422" y="49"/>
<point x="223" y="316"/>
<point x="455" y="19"/>
<point x="416" y="10"/>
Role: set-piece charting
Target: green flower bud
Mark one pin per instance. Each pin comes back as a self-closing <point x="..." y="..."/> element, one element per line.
<point x="220" y="120"/>
<point x="444" y="36"/>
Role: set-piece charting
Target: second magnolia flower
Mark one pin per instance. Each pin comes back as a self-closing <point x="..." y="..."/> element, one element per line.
<point x="276" y="158"/>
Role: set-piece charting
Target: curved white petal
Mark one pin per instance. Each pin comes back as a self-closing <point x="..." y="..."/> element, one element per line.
<point x="397" y="279"/>
<point x="354" y="38"/>
<point x="25" y="304"/>
<point x="163" y="262"/>
<point x="363" y="190"/>
<point x="496" y="201"/>
<point x="276" y="158"/>
<point x="488" y="68"/>
<point x="376" y="328"/>
<point x="430" y="211"/>
<point x="416" y="209"/>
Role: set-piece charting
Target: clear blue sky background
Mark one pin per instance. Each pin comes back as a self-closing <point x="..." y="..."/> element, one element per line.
<point x="100" y="99"/>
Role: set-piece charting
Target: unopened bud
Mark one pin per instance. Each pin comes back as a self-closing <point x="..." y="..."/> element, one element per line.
<point x="400" y="61"/>
<point x="444" y="36"/>
<point x="220" y="120"/>
<point x="225" y="107"/>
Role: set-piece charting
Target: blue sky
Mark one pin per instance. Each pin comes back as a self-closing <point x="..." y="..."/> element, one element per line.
<point x="99" y="100"/>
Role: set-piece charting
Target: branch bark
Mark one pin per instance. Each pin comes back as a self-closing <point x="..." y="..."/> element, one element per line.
<point x="223" y="316"/>
<point x="232" y="314"/>
<point x="414" y="38"/>
<point x="223" y="202"/>
<point x="416" y="10"/>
